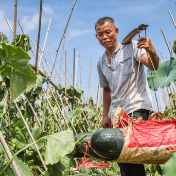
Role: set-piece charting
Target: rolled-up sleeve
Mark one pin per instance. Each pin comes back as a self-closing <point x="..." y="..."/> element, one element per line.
<point x="102" y="80"/>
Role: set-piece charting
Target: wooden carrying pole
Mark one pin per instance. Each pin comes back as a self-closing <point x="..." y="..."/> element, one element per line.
<point x="38" y="40"/>
<point x="9" y="154"/>
<point x="15" y="18"/>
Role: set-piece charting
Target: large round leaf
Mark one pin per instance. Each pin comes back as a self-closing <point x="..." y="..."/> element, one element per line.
<point x="166" y="73"/>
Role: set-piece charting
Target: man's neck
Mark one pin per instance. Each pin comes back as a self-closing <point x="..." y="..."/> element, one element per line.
<point x="111" y="50"/>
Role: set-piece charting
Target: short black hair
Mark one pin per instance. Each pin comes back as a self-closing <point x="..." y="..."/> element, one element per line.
<point x="103" y="20"/>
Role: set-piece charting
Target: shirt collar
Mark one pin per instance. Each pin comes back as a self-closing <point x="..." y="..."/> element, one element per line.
<point x="116" y="50"/>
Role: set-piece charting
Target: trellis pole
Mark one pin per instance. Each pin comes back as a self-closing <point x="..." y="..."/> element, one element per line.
<point x="62" y="38"/>
<point x="15" y="18"/>
<point x="41" y="56"/>
<point x="38" y="40"/>
<point x="30" y="134"/>
<point x="80" y="72"/>
<point x="62" y="55"/>
<point x="172" y="18"/>
<point x="166" y="42"/>
<point x="6" y="148"/>
<point x="89" y="82"/>
<point x="73" y="100"/>
<point x="65" y="84"/>
<point x="76" y="68"/>
<point x="98" y="93"/>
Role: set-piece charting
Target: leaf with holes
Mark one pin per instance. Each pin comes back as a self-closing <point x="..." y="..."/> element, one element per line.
<point x="166" y="73"/>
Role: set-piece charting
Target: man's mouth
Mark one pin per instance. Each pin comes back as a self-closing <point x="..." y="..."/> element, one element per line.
<point x="106" y="43"/>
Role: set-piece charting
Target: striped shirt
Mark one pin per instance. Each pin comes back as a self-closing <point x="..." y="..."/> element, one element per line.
<point x="116" y="76"/>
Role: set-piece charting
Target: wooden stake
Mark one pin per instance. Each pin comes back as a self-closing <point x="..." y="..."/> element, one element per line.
<point x="80" y="72"/>
<point x="44" y="44"/>
<point x="73" y="100"/>
<point x="62" y="38"/>
<point x="15" y="18"/>
<point x="30" y="134"/>
<point x="65" y="84"/>
<point x="98" y="93"/>
<point x="172" y="19"/>
<point x="89" y="82"/>
<point x="38" y="40"/>
<point x="6" y="148"/>
<point x="166" y="43"/>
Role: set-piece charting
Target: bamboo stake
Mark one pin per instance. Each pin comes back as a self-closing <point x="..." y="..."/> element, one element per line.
<point x="166" y="43"/>
<point x="9" y="25"/>
<point x="35" y="114"/>
<point x="98" y="93"/>
<point x="44" y="44"/>
<point x="58" y="105"/>
<point x="172" y="19"/>
<point x="30" y="134"/>
<point x="56" y="119"/>
<point x="162" y="56"/>
<point x="20" y="26"/>
<point x="62" y="55"/>
<point x="15" y="18"/>
<point x="89" y="82"/>
<point x="73" y="100"/>
<point x="80" y="72"/>
<point x="62" y="38"/>
<point x="6" y="148"/>
<point x="65" y="84"/>
<point x="76" y="67"/>
<point x="38" y="40"/>
<point x="66" y="77"/>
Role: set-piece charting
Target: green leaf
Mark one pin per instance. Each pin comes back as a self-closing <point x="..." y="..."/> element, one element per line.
<point x="73" y="113"/>
<point x="166" y="73"/>
<point x="169" y="168"/>
<point x="68" y="161"/>
<point x="55" y="170"/>
<point x="3" y="38"/>
<point x="16" y="66"/>
<point x="23" y="41"/>
<point x="174" y="46"/>
<point x="3" y="123"/>
<point x="58" y="145"/>
<point x="24" y="170"/>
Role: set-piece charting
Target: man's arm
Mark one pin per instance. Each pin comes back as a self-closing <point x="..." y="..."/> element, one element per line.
<point x="106" y="105"/>
<point x="151" y="54"/>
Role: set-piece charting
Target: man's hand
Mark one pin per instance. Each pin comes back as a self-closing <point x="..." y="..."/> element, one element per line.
<point x="105" y="122"/>
<point x="146" y="43"/>
<point x="149" y="59"/>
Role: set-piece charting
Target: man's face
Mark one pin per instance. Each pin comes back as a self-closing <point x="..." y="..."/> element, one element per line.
<point x="106" y="35"/>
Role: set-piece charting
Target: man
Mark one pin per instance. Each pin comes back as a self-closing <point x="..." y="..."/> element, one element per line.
<point x="115" y="68"/>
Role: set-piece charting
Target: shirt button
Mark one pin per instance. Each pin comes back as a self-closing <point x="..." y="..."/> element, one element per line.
<point x="112" y="69"/>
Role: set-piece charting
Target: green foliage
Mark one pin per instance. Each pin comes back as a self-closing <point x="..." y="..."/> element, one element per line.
<point x="169" y="168"/>
<point x="59" y="145"/>
<point x="15" y="64"/>
<point x="3" y="38"/>
<point x="166" y="73"/>
<point x="174" y="46"/>
<point x="23" y="41"/>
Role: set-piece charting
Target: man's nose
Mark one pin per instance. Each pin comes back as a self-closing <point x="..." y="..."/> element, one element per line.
<point x="104" y="37"/>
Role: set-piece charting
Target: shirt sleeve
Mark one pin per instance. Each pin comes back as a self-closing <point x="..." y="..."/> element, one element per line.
<point x="102" y="80"/>
<point x="137" y="51"/>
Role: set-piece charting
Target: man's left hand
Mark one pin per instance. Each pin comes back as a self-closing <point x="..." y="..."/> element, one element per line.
<point x="146" y="43"/>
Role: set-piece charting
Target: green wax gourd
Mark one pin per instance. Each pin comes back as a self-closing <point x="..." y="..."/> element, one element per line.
<point x="80" y="148"/>
<point x="108" y="142"/>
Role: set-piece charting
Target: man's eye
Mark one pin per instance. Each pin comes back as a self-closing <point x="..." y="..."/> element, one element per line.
<point x="100" y="34"/>
<point x="108" y="32"/>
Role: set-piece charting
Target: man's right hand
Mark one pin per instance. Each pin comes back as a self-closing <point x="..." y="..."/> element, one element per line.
<point x="105" y="122"/>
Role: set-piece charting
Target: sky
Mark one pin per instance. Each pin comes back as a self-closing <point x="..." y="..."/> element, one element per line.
<point x="80" y="33"/>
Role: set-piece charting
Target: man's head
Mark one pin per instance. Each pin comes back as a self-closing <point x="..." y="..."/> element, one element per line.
<point x="106" y="32"/>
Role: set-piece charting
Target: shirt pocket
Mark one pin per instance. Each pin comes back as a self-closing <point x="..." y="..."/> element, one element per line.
<point x="127" y="67"/>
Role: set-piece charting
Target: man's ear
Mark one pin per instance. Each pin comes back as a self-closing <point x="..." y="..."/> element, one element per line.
<point x="96" y="35"/>
<point x="117" y="31"/>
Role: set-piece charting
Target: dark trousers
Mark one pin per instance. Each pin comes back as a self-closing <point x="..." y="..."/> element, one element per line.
<point x="127" y="169"/>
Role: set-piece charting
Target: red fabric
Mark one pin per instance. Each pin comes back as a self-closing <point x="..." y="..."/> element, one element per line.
<point x="85" y="163"/>
<point x="151" y="133"/>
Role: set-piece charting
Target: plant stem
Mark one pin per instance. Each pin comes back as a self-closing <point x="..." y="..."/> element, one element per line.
<point x="80" y="139"/>
<point x="20" y="152"/>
